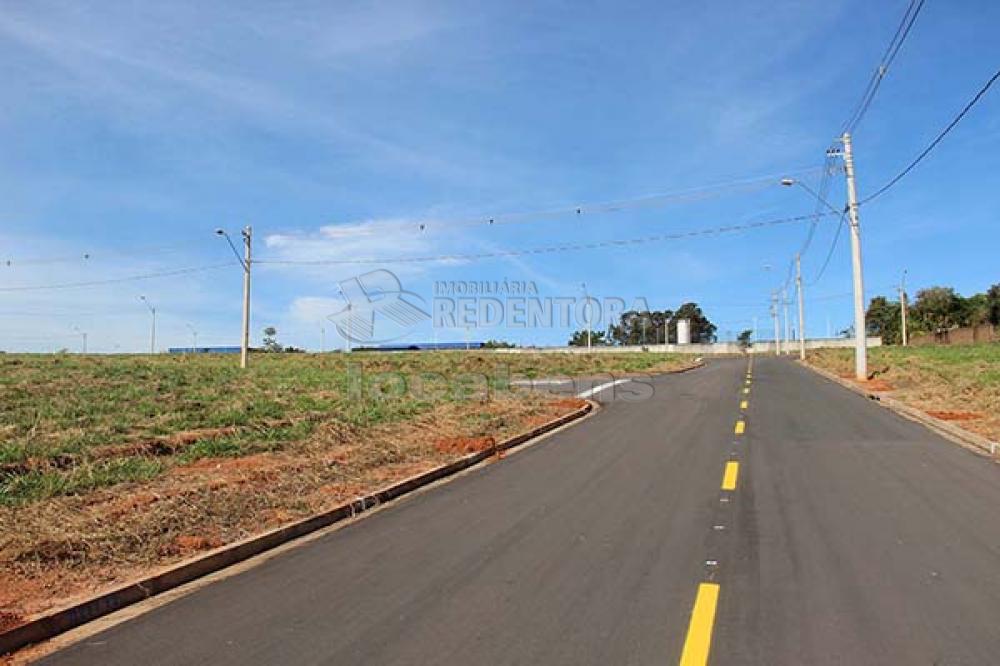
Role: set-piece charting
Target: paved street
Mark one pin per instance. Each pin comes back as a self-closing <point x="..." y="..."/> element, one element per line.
<point x="813" y="527"/>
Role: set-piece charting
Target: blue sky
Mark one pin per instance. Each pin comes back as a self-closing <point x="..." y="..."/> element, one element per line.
<point x="130" y="131"/>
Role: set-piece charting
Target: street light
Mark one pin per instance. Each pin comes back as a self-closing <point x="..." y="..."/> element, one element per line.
<point x="857" y="270"/>
<point x="245" y="262"/>
<point x="152" y="335"/>
<point x="83" y="334"/>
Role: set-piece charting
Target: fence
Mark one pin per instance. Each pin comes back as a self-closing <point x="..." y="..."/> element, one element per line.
<point x="958" y="336"/>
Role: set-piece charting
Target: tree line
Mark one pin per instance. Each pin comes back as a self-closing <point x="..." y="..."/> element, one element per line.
<point x="647" y="328"/>
<point x="934" y="309"/>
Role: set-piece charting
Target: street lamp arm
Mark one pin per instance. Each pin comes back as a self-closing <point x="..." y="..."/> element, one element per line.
<point x="788" y="182"/>
<point x="236" y="253"/>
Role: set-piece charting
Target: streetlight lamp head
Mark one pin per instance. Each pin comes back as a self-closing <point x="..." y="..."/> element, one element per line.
<point x="220" y="232"/>
<point x="787" y="182"/>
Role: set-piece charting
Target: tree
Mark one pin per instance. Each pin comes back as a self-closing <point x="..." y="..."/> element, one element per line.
<point x="501" y="344"/>
<point x="744" y="338"/>
<point x="640" y="327"/>
<point x="883" y="319"/>
<point x="993" y="305"/>
<point x="702" y="330"/>
<point x="938" y="309"/>
<point x="579" y="339"/>
<point x="271" y="343"/>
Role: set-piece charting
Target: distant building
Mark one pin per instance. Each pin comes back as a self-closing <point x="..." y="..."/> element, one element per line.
<point x="423" y="346"/>
<point x="204" y="350"/>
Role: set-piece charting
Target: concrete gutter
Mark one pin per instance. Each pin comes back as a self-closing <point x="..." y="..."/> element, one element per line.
<point x="970" y="440"/>
<point x="56" y="622"/>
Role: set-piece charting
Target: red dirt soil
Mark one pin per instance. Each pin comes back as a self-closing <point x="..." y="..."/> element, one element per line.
<point x="463" y="444"/>
<point x="955" y="416"/>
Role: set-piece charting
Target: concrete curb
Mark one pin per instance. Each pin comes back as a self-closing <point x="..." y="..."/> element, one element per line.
<point x="970" y="440"/>
<point x="56" y="622"/>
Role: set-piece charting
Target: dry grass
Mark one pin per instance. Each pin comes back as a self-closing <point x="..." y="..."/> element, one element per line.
<point x="115" y="466"/>
<point x="960" y="383"/>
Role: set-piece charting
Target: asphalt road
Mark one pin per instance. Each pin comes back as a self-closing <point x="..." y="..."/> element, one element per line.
<point x="849" y="536"/>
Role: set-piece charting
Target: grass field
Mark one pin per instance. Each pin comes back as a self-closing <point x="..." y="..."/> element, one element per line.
<point x="960" y="383"/>
<point x="110" y="465"/>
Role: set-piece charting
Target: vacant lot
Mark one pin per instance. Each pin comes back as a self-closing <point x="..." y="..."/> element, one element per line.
<point x="960" y="383"/>
<point x="112" y="465"/>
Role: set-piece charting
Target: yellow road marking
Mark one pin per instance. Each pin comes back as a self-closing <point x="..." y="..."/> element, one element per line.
<point x="744" y="404"/>
<point x="746" y="391"/>
<point x="730" y="475"/>
<point x="741" y="426"/>
<point x="699" y="635"/>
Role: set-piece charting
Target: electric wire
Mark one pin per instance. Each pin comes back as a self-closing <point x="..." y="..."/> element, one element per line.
<point x="899" y="176"/>
<point x="892" y="50"/>
<point x="130" y="278"/>
<point x="565" y="247"/>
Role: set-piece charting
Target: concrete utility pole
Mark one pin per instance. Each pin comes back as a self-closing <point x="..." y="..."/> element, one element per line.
<point x="586" y="305"/>
<point x="802" y="308"/>
<point x="788" y="337"/>
<point x="777" y="324"/>
<point x="245" y="262"/>
<point x="902" y="308"/>
<point x="860" y="332"/>
<point x="152" y="335"/>
<point x="83" y="335"/>
<point x="245" y="347"/>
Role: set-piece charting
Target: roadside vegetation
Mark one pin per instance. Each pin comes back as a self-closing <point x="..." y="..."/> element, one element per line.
<point x="111" y="465"/>
<point x="934" y="310"/>
<point x="960" y="383"/>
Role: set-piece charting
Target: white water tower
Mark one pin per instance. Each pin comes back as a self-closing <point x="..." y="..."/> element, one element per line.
<point x="683" y="331"/>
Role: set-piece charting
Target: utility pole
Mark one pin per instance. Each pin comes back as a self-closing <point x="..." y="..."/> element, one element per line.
<point x="152" y="335"/>
<point x="194" y="338"/>
<point x="802" y="308"/>
<point x="245" y="263"/>
<point x="860" y="330"/>
<point x="777" y="325"/>
<point x="350" y="328"/>
<point x="586" y="305"/>
<point x="245" y="346"/>
<point x="788" y="337"/>
<point x="322" y="339"/>
<point x="902" y="308"/>
<point x="83" y="336"/>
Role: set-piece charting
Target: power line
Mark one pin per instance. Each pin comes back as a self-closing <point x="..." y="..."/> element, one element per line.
<point x="131" y="278"/>
<point x="935" y="142"/>
<point x="829" y="254"/>
<point x="566" y="247"/>
<point x="891" y="51"/>
<point x="91" y="256"/>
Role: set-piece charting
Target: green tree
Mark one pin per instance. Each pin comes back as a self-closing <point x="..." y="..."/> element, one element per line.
<point x="271" y="343"/>
<point x="702" y="330"/>
<point x="579" y="338"/>
<point x="744" y="338"/>
<point x="938" y="309"/>
<point x="883" y="319"/>
<point x="500" y="344"/>
<point x="637" y="328"/>
<point x="993" y="305"/>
